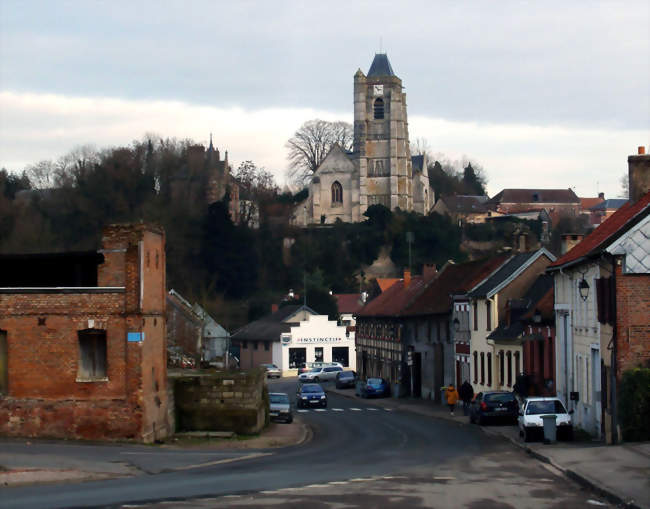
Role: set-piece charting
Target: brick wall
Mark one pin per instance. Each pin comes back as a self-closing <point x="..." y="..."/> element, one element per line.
<point x="46" y="396"/>
<point x="632" y="320"/>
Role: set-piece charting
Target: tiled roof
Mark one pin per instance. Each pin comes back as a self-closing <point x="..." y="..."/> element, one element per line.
<point x="386" y="282"/>
<point x="587" y="203"/>
<point x="453" y="279"/>
<point x="394" y="300"/>
<point x="380" y="66"/>
<point x="536" y="196"/>
<point x="612" y="203"/>
<point x="607" y="232"/>
<point x="506" y="271"/>
<point x="465" y="204"/>
<point x="348" y="302"/>
<point x="271" y="326"/>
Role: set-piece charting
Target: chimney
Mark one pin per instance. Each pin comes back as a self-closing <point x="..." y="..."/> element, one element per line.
<point x="428" y="271"/>
<point x="569" y="241"/>
<point x="274" y="308"/>
<point x="407" y="278"/>
<point x="638" y="174"/>
<point x="523" y="242"/>
<point x="601" y="196"/>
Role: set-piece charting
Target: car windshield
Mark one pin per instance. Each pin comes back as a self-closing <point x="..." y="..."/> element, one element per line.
<point x="279" y="398"/>
<point x="311" y="388"/>
<point x="505" y="397"/>
<point x="375" y="381"/>
<point x="545" y="407"/>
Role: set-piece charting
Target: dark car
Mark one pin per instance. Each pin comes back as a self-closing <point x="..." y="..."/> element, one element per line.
<point x="373" y="388"/>
<point x="310" y="395"/>
<point x="345" y="379"/>
<point x="494" y="405"/>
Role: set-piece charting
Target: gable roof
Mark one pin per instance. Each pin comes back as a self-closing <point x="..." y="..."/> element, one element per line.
<point x="348" y="302"/>
<point x="507" y="272"/>
<point x="466" y="204"/>
<point x="270" y="327"/>
<point x="394" y="300"/>
<point x="452" y="280"/>
<point x="635" y="246"/>
<point x="386" y="282"/>
<point x="335" y="150"/>
<point x="608" y="231"/>
<point x="612" y="203"/>
<point x="380" y="66"/>
<point x="536" y="196"/>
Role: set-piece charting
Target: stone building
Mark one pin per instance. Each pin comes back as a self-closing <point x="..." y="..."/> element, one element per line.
<point x="380" y="168"/>
<point x="82" y="340"/>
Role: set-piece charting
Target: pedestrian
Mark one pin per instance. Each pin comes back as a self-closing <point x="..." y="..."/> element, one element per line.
<point x="452" y="397"/>
<point x="466" y="394"/>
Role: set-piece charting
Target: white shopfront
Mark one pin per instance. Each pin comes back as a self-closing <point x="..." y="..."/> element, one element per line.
<point x="315" y="340"/>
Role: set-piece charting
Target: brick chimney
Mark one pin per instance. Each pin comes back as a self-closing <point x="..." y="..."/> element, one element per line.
<point x="407" y="278"/>
<point x="638" y="174"/>
<point x="569" y="240"/>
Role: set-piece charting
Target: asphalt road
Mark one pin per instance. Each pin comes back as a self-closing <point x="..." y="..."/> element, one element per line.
<point x="360" y="456"/>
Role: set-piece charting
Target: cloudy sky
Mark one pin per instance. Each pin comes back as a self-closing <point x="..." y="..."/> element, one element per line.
<point x="541" y="94"/>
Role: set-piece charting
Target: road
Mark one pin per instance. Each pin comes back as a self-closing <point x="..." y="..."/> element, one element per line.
<point x="360" y="456"/>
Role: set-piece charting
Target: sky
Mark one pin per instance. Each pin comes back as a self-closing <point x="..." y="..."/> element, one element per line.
<point x="540" y="94"/>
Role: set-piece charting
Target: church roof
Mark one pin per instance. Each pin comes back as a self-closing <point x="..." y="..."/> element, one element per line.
<point x="380" y="66"/>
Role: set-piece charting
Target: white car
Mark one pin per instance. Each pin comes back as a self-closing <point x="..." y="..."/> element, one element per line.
<point x="530" y="420"/>
<point x="272" y="370"/>
<point x="321" y="374"/>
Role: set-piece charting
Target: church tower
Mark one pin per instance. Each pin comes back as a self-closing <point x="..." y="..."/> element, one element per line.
<point x="381" y="139"/>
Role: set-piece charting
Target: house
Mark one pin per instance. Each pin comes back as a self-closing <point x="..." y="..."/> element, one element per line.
<point x="557" y="202"/>
<point x="291" y="336"/>
<point x="602" y="306"/>
<point x="184" y="338"/>
<point x="601" y="211"/>
<point x="82" y="340"/>
<point x="464" y="209"/>
<point x="530" y="321"/>
<point x="215" y="339"/>
<point x="348" y="304"/>
<point x="496" y="361"/>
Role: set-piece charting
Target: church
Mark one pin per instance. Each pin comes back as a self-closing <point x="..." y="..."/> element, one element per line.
<point x="380" y="169"/>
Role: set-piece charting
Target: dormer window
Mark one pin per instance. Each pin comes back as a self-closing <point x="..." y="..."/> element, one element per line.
<point x="379" y="108"/>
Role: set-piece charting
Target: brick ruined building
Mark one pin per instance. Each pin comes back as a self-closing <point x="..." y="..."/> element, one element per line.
<point x="82" y="340"/>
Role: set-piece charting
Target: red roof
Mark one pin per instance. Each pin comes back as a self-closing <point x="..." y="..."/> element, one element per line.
<point x="587" y="203"/>
<point x="396" y="298"/>
<point x="453" y="279"/>
<point x="386" y="282"/>
<point x="605" y="232"/>
<point x="348" y="302"/>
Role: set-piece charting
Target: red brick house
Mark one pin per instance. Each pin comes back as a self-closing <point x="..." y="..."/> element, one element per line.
<point x="82" y="340"/>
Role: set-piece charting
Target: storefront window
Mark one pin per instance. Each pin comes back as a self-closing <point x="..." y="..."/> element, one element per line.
<point x="318" y="354"/>
<point x="297" y="356"/>
<point x="341" y="354"/>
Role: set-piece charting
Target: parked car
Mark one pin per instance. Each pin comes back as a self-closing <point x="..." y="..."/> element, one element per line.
<point x="321" y="374"/>
<point x="494" y="405"/>
<point x="373" y="388"/>
<point x="308" y="366"/>
<point x="530" y="421"/>
<point x="310" y="395"/>
<point x="345" y="379"/>
<point x="272" y="370"/>
<point x="280" y="407"/>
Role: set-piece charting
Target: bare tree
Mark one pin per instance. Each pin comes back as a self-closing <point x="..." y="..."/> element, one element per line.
<point x="311" y="143"/>
<point x="625" y="186"/>
<point x="257" y="186"/>
<point x="421" y="147"/>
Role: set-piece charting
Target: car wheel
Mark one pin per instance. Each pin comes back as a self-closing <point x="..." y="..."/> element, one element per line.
<point x="325" y="405"/>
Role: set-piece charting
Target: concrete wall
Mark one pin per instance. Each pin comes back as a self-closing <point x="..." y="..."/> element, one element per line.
<point x="223" y="401"/>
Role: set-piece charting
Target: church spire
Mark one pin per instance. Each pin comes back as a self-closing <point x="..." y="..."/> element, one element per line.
<point x="380" y="66"/>
<point x="211" y="147"/>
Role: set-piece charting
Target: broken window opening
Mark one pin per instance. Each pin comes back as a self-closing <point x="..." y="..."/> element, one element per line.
<point x="92" y="355"/>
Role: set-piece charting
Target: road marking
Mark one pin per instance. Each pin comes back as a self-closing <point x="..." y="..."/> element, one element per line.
<point x="268" y="492"/>
<point x="388" y="409"/>
<point x="362" y="479"/>
<point x="355" y="409"/>
<point x="337" y="409"/>
<point x="319" y="410"/>
<point x="394" y="477"/>
<point x="595" y="502"/>
<point x="228" y="460"/>
<point x="302" y="411"/>
<point x="373" y="409"/>
<point x="339" y="482"/>
<point x="444" y="478"/>
<point x="316" y="486"/>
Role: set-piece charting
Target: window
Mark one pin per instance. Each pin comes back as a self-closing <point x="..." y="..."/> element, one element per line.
<point x="475" y="367"/>
<point x="475" y="308"/>
<point x="482" y="368"/>
<point x="255" y="344"/>
<point x="92" y="355"/>
<point x="266" y="346"/>
<point x="488" y="314"/>
<point x="379" y="108"/>
<point x="244" y="344"/>
<point x="489" y="368"/>
<point x="501" y="368"/>
<point x="337" y="194"/>
<point x="509" y="355"/>
<point x="318" y="354"/>
<point x="297" y="357"/>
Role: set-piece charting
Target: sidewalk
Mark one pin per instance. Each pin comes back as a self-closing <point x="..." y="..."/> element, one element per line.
<point x="620" y="473"/>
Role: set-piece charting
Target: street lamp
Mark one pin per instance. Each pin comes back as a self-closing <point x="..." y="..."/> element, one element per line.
<point x="583" y="288"/>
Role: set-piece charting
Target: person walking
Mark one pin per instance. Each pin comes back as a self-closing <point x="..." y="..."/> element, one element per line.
<point x="452" y="397"/>
<point x="466" y="393"/>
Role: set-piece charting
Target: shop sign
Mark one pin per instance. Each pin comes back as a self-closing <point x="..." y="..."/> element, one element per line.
<point x="285" y="339"/>
<point x="317" y="340"/>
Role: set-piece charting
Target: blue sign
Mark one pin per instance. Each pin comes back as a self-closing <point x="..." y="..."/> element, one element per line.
<point x="135" y="337"/>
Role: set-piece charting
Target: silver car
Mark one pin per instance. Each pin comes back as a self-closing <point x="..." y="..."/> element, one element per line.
<point x="321" y="374"/>
<point x="280" y="407"/>
<point x="272" y="370"/>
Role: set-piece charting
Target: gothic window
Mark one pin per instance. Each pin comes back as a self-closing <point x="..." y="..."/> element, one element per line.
<point x="379" y="108"/>
<point x="337" y="194"/>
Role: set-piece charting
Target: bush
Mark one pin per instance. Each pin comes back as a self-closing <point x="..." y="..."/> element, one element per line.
<point x="634" y="404"/>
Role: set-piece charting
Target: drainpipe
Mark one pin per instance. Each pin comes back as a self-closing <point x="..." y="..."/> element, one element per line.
<point x="614" y="361"/>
